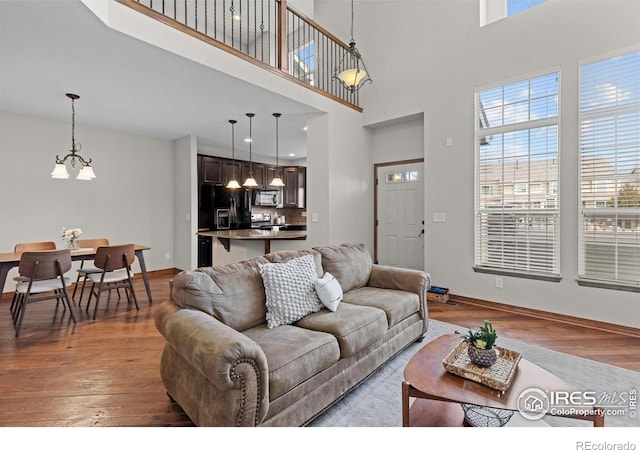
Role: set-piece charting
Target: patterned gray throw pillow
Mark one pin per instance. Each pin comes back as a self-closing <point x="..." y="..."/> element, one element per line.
<point x="290" y="291"/>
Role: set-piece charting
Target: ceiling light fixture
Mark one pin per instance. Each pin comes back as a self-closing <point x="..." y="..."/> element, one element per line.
<point x="277" y="181"/>
<point x="233" y="183"/>
<point x="250" y="181"/>
<point x="60" y="169"/>
<point x="351" y="71"/>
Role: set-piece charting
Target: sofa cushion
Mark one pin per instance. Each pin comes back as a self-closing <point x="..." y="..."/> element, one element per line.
<point x="350" y="263"/>
<point x="293" y="354"/>
<point x="288" y="255"/>
<point x="290" y="291"/>
<point x="237" y="296"/>
<point x="397" y="305"/>
<point x="354" y="326"/>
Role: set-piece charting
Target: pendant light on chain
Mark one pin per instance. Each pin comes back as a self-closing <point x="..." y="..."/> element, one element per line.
<point x="250" y="181"/>
<point x="60" y="169"/>
<point x="233" y="183"/>
<point x="351" y="71"/>
<point x="277" y="181"/>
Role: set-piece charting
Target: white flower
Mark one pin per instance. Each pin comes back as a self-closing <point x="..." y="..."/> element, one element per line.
<point x="71" y="234"/>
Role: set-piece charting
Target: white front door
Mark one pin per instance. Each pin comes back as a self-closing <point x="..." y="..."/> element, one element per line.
<point x="400" y="211"/>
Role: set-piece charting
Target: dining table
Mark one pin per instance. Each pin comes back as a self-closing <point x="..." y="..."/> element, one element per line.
<point x="11" y="260"/>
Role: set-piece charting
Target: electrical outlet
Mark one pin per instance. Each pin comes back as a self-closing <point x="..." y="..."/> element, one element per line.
<point x="167" y="256"/>
<point x="499" y="284"/>
<point x="439" y="217"/>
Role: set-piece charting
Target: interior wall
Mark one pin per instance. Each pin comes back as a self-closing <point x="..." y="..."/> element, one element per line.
<point x="185" y="170"/>
<point x="339" y="185"/>
<point x="445" y="56"/>
<point x="401" y="140"/>
<point x="131" y="200"/>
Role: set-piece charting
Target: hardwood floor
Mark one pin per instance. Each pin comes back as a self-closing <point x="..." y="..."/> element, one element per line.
<point x="106" y="372"/>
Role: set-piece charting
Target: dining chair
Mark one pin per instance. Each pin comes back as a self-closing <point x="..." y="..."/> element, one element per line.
<point x="115" y="264"/>
<point x="22" y="247"/>
<point x="44" y="280"/>
<point x="83" y="272"/>
<point x="34" y="246"/>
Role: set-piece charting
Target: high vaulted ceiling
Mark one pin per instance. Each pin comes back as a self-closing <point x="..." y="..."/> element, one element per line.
<point x="50" y="48"/>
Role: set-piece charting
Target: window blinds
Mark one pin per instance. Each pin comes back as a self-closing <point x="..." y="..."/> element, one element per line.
<point x="610" y="170"/>
<point x="517" y="222"/>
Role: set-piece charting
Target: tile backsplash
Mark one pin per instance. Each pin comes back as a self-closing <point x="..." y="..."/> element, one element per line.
<point x="293" y="216"/>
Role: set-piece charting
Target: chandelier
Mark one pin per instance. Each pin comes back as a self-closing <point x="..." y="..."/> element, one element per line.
<point x="60" y="169"/>
<point x="351" y="71"/>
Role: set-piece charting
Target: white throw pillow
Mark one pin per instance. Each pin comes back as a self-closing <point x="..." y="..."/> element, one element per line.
<point x="289" y="289"/>
<point x="329" y="291"/>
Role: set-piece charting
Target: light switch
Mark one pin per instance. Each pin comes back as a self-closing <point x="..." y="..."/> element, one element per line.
<point x="449" y="142"/>
<point x="314" y="217"/>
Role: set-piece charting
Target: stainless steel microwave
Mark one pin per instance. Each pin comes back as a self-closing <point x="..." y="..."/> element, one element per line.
<point x="266" y="198"/>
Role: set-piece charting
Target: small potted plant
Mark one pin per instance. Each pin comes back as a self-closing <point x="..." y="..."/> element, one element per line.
<point x="482" y="351"/>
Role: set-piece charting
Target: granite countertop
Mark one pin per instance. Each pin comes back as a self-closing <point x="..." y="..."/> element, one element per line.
<point x="255" y="234"/>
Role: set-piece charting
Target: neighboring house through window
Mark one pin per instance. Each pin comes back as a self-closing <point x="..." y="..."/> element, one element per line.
<point x="610" y="172"/>
<point x="517" y="221"/>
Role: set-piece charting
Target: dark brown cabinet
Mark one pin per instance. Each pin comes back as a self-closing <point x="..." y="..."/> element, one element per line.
<point x="211" y="170"/>
<point x="229" y="168"/>
<point x="294" y="190"/>
<point x="269" y="174"/>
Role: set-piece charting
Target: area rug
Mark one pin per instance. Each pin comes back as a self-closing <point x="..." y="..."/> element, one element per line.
<point x="377" y="402"/>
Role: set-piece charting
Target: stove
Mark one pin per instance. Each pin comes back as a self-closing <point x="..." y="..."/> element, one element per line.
<point x="261" y="220"/>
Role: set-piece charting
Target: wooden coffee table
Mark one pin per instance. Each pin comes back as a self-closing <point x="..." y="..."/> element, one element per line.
<point x="438" y="393"/>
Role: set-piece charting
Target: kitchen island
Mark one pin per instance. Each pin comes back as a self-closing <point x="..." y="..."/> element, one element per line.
<point x="226" y="236"/>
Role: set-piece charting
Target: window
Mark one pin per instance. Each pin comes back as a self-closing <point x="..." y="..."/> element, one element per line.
<point x="402" y="177"/>
<point x="494" y="10"/>
<point x="516" y="6"/>
<point x="522" y="188"/>
<point x="609" y="172"/>
<point x="517" y="224"/>
<point x="301" y="63"/>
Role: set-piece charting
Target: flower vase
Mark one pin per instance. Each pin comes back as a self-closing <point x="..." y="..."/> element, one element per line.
<point x="72" y="244"/>
<point x="482" y="357"/>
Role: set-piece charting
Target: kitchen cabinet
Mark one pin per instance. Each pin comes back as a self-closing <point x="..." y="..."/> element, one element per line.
<point x="211" y="169"/>
<point x="294" y="190"/>
<point x="258" y="172"/>
<point x="269" y="174"/>
<point x="205" y="251"/>
<point x="263" y="173"/>
<point x="228" y="167"/>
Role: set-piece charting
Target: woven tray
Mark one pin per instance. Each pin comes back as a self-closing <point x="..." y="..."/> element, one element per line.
<point x="498" y="376"/>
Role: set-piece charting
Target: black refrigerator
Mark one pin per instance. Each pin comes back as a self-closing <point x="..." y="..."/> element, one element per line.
<point x="221" y="208"/>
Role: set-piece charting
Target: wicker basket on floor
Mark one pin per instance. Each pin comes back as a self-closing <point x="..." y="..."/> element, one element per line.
<point x="438" y="294"/>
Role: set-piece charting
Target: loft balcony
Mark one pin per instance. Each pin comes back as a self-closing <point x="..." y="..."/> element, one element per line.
<point x="268" y="33"/>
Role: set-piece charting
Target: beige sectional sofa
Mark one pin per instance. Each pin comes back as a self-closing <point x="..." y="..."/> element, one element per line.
<point x="225" y="367"/>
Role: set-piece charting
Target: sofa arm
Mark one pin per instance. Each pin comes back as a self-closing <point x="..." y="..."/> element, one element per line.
<point x="234" y="364"/>
<point x="410" y="280"/>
